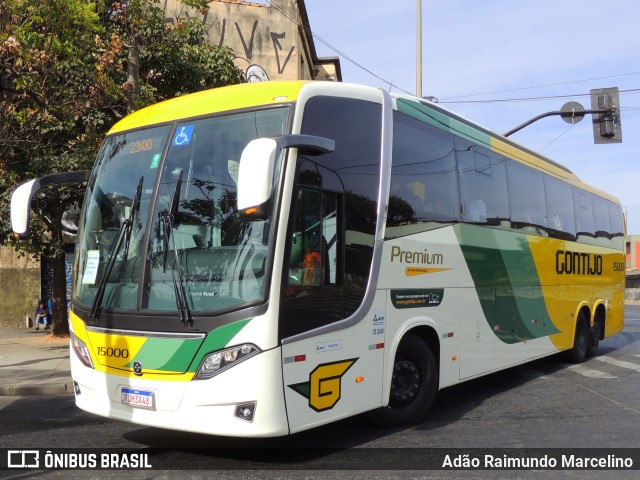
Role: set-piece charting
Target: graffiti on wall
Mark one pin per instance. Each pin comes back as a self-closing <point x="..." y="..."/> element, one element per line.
<point x="254" y="44"/>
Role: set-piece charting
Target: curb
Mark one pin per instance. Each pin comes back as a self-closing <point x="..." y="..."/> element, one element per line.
<point x="26" y="390"/>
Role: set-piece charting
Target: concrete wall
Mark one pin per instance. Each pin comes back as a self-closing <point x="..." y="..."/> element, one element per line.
<point x="19" y="287"/>
<point x="632" y="296"/>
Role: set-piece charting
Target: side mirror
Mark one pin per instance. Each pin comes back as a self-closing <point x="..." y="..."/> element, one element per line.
<point x="257" y="165"/>
<point x="22" y="196"/>
<point x="255" y="177"/>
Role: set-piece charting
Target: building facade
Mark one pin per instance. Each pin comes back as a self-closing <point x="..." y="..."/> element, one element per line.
<point x="271" y="40"/>
<point x="633" y="262"/>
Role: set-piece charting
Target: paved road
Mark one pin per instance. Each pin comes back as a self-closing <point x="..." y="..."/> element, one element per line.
<point x="544" y="404"/>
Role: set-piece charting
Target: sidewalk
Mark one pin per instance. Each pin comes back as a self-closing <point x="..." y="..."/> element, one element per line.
<point x="33" y="363"/>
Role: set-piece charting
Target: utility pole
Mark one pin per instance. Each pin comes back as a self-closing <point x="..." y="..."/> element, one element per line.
<point x="419" y="51"/>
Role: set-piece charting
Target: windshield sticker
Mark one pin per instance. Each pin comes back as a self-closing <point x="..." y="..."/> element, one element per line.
<point x="417" y="298"/>
<point x="155" y="161"/>
<point x="91" y="269"/>
<point x="329" y="346"/>
<point x="183" y="136"/>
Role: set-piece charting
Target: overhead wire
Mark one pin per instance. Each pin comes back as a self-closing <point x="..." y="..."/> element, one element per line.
<point x="287" y="15"/>
<point x="557" y="138"/>
<point x="334" y="49"/>
<point x="543" y="86"/>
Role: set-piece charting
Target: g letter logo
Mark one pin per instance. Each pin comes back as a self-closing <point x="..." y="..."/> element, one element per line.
<point x="325" y="384"/>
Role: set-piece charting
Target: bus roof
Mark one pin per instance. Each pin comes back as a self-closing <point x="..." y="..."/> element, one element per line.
<point x="443" y="118"/>
<point x="275" y="92"/>
<point x="211" y="101"/>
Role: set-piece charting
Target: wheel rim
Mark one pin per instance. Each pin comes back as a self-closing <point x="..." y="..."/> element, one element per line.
<point x="405" y="384"/>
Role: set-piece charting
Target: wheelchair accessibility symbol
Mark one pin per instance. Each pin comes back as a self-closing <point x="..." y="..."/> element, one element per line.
<point x="183" y="136"/>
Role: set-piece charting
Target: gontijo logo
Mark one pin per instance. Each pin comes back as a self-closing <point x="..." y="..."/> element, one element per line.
<point x="324" y="387"/>
<point x="578" y="263"/>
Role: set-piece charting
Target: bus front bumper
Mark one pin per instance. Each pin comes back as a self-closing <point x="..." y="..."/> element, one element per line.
<point x="215" y="406"/>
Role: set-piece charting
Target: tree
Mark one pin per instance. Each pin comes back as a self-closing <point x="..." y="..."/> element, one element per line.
<point x="68" y="72"/>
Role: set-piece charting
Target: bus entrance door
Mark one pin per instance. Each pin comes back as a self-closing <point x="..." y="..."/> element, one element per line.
<point x="337" y="374"/>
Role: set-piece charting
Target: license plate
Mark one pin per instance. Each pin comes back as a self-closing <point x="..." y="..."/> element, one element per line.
<point x="137" y="398"/>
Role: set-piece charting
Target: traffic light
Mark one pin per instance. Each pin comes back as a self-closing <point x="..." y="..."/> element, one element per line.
<point x="606" y="125"/>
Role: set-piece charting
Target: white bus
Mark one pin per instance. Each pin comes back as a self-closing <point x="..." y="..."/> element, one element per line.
<point x="261" y="259"/>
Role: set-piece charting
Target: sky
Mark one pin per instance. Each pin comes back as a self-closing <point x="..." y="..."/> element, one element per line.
<point x="481" y="59"/>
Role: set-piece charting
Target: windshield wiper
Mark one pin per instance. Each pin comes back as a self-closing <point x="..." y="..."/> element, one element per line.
<point x="135" y="208"/>
<point x="124" y="234"/>
<point x="168" y="220"/>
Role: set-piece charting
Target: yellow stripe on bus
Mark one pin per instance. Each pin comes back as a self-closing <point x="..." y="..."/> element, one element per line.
<point x="96" y="340"/>
<point x="208" y="102"/>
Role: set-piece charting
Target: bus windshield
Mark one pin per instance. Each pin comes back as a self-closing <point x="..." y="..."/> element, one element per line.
<point x="162" y="203"/>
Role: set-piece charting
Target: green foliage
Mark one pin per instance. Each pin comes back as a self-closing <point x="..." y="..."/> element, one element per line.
<point x="174" y="58"/>
<point x="46" y="121"/>
<point x="66" y="77"/>
<point x="64" y="81"/>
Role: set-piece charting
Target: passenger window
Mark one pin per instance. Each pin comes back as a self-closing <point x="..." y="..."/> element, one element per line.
<point x="601" y="221"/>
<point x="584" y="216"/>
<point x="560" y="216"/>
<point x="526" y="199"/>
<point x="483" y="185"/>
<point x="617" y="226"/>
<point x="424" y="184"/>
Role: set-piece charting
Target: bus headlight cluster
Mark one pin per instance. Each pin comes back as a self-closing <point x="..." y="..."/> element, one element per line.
<point x="216" y="362"/>
<point x="81" y="350"/>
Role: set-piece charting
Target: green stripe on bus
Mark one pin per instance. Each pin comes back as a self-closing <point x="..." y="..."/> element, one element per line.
<point x="177" y="354"/>
<point x="217" y="340"/>
<point x="169" y="354"/>
<point x="433" y="117"/>
<point x="182" y="358"/>
<point x="507" y="282"/>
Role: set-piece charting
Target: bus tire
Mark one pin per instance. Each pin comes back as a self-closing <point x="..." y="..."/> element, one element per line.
<point x="578" y="352"/>
<point x="594" y="339"/>
<point x="414" y="385"/>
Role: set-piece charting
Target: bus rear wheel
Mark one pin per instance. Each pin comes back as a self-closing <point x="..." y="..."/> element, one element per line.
<point x="414" y="385"/>
<point x="578" y="352"/>
<point x="594" y="339"/>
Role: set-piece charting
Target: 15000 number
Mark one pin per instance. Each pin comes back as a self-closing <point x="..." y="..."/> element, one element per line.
<point x="113" y="352"/>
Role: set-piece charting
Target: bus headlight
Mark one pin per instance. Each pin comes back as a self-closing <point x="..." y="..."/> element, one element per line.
<point x="216" y="362"/>
<point x="81" y="350"/>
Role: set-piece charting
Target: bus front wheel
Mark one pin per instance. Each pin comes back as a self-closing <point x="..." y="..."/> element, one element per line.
<point x="414" y="385"/>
